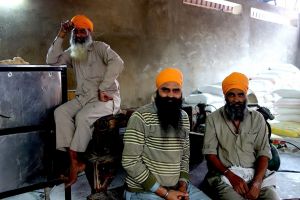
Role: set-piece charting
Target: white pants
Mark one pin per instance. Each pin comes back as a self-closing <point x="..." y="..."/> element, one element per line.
<point x="74" y="122"/>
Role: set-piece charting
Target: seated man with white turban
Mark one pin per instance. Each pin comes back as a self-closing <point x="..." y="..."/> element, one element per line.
<point x="156" y="146"/>
<point x="237" y="147"/>
<point x="96" y="67"/>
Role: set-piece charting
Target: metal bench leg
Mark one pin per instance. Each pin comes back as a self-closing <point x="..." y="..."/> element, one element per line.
<point x="68" y="193"/>
<point x="47" y="191"/>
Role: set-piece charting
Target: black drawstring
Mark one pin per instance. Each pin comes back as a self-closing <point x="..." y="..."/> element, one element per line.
<point x="4" y="116"/>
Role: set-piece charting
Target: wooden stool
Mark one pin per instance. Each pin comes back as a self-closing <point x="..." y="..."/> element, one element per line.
<point x="104" y="152"/>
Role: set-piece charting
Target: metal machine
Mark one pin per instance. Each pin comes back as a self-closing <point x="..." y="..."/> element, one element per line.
<point x="28" y="96"/>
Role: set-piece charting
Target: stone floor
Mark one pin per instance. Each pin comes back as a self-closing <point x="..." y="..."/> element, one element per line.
<point x="288" y="181"/>
<point x="80" y="190"/>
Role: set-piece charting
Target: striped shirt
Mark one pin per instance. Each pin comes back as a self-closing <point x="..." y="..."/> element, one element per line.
<point x="152" y="155"/>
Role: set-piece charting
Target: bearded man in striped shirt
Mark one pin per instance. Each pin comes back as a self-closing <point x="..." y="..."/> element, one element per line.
<point x="156" y="145"/>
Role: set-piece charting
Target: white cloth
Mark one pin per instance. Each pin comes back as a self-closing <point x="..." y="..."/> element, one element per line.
<point x="248" y="173"/>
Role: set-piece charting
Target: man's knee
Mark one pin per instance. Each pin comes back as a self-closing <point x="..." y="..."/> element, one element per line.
<point x="224" y="191"/>
<point x="196" y="193"/>
<point x="81" y="118"/>
<point x="58" y="113"/>
<point x="269" y="193"/>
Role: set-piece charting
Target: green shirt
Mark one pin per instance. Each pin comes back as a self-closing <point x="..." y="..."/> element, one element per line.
<point x="241" y="148"/>
<point x="152" y="155"/>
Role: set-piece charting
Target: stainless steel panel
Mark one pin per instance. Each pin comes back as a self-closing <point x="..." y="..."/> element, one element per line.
<point x="21" y="160"/>
<point x="28" y="97"/>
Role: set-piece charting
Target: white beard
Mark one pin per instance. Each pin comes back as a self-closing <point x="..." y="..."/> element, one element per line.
<point x="79" y="51"/>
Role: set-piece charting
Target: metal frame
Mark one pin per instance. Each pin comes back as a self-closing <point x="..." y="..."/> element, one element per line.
<point x="50" y="180"/>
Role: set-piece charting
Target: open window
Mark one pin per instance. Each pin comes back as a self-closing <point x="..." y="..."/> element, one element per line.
<point x="220" y="5"/>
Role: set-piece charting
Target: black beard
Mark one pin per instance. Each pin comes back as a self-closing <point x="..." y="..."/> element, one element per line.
<point x="168" y="111"/>
<point x="235" y="111"/>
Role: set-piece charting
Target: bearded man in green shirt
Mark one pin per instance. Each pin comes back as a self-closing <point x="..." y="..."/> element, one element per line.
<point x="236" y="146"/>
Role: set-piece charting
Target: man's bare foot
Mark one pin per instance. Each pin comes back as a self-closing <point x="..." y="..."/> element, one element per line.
<point x="74" y="170"/>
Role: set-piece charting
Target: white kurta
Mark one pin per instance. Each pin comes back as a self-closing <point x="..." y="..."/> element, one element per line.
<point x="74" y="119"/>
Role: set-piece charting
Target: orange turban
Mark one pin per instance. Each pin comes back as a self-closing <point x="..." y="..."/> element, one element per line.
<point x="81" y="21"/>
<point x="169" y="75"/>
<point x="235" y="80"/>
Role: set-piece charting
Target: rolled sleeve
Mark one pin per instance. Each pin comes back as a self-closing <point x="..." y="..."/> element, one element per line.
<point x="210" y="143"/>
<point x="262" y="146"/>
<point x="184" y="176"/>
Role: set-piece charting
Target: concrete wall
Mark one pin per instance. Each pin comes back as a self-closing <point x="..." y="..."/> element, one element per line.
<point x="153" y="34"/>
